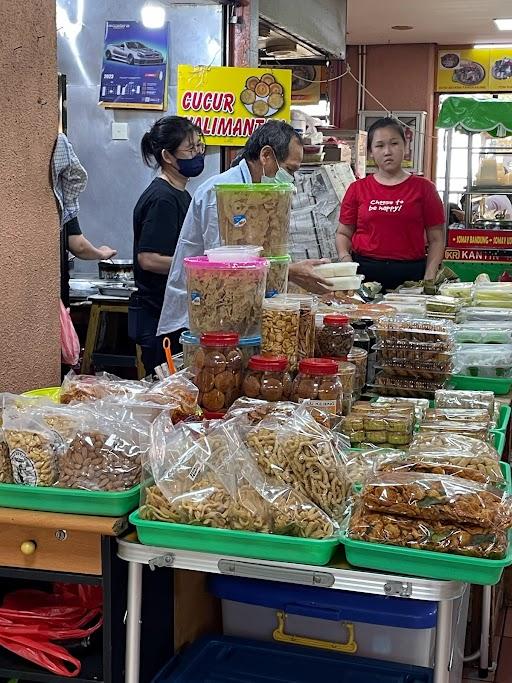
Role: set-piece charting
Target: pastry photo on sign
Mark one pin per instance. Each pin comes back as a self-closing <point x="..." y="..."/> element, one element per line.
<point x="263" y="97"/>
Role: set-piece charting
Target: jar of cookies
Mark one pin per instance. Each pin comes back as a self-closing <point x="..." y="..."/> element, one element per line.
<point x="335" y="338"/>
<point x="267" y="378"/>
<point x="280" y="329"/>
<point x="218" y="368"/>
<point x="319" y="383"/>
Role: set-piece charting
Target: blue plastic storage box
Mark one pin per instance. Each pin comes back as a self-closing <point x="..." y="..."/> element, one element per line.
<point x="372" y="626"/>
<point x="233" y="660"/>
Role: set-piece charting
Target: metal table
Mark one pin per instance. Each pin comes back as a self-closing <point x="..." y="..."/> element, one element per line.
<point x="338" y="576"/>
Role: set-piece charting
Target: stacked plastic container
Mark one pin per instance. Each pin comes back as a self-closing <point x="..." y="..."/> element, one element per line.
<point x="259" y="213"/>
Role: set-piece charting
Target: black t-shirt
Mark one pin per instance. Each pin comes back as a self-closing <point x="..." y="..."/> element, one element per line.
<point x="72" y="227"/>
<point x="157" y="220"/>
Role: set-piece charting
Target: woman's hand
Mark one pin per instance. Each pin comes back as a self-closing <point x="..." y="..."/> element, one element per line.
<point x="302" y="274"/>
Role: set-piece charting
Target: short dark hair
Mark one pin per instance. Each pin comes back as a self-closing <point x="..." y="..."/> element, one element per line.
<point x="275" y="134"/>
<point x="166" y="133"/>
<point x="384" y="122"/>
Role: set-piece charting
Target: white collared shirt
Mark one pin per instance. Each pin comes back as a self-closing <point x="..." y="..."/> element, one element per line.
<point x="200" y="231"/>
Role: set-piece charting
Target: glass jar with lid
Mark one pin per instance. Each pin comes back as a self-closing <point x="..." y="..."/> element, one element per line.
<point x="359" y="357"/>
<point x="335" y="338"/>
<point x="280" y="328"/>
<point x="267" y="378"/>
<point x="361" y="336"/>
<point x="218" y="368"/>
<point x="319" y="383"/>
<point x="308" y="305"/>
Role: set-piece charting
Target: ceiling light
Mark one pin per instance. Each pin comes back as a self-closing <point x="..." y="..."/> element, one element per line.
<point x="503" y="24"/>
<point x="402" y="27"/>
<point x="153" y="16"/>
<point x="491" y="46"/>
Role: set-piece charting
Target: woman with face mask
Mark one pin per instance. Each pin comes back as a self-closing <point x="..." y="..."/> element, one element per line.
<point x="174" y="147"/>
<point x="392" y="222"/>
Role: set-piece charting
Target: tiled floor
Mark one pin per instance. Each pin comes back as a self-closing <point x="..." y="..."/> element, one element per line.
<point x="503" y="672"/>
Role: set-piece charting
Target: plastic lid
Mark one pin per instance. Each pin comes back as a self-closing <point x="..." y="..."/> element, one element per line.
<point x="275" y="363"/>
<point x="238" y="252"/>
<point x="341" y="359"/>
<point x="280" y="303"/>
<point x="305" y="300"/>
<point x="318" y="366"/>
<point x="188" y="338"/>
<point x="202" y="263"/>
<point x="335" y="320"/>
<point x="356" y="352"/>
<point x="220" y="339"/>
<point x="279" y="259"/>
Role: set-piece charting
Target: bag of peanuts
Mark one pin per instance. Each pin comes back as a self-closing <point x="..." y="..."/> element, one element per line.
<point x="34" y="447"/>
<point x="84" y="388"/>
<point x="104" y="453"/>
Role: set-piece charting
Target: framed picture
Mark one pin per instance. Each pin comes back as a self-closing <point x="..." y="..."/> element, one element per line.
<point x="415" y="128"/>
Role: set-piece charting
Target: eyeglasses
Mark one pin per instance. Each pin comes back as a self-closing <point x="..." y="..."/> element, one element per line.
<point x="198" y="148"/>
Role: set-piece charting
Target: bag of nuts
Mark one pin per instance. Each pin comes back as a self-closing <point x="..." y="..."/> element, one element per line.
<point x="33" y="446"/>
<point x="104" y="454"/>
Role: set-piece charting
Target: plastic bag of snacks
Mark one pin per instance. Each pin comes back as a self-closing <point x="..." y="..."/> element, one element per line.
<point x="104" y="454"/>
<point x="478" y="468"/>
<point x="476" y="430"/>
<point x="446" y="442"/>
<point x="479" y="400"/>
<point x="438" y="498"/>
<point x="460" y="416"/>
<point x="473" y="541"/>
<point x="33" y="446"/>
<point x="84" y="388"/>
<point x="178" y="392"/>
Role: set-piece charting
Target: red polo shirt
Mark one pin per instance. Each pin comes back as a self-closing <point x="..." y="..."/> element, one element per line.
<point x="390" y="220"/>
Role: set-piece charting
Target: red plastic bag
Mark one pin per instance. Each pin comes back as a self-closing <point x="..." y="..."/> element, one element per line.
<point x="69" y="342"/>
<point x="32" y="620"/>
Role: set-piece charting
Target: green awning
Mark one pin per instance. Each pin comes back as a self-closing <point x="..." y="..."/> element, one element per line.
<point x="476" y="116"/>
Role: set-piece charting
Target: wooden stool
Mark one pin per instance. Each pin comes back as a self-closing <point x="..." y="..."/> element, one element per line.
<point x="103" y="306"/>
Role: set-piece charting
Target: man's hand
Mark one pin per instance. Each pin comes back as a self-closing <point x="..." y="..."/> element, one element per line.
<point x="106" y="252"/>
<point x="303" y="275"/>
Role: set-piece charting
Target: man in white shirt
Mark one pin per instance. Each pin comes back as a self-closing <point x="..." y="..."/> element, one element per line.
<point x="273" y="153"/>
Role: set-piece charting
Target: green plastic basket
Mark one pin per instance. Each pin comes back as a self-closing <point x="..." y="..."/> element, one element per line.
<point x="499" y="441"/>
<point x="70" y="501"/>
<point x="507" y="473"/>
<point x="503" y="419"/>
<point x="425" y="563"/>
<point x="500" y="385"/>
<point x="50" y="392"/>
<point x="248" y="544"/>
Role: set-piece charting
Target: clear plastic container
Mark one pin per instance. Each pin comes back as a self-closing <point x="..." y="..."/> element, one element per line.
<point x="280" y="329"/>
<point x="484" y="360"/>
<point x="267" y="378"/>
<point x="347" y="374"/>
<point x="493" y="294"/>
<point x="422" y="330"/>
<point x="335" y="338"/>
<point x="484" y="332"/>
<point x="486" y="314"/>
<point x="330" y="270"/>
<point x="218" y="370"/>
<point x="359" y="358"/>
<point x="277" y="278"/>
<point x="318" y="382"/>
<point x="255" y="214"/>
<point x="225" y="297"/>
<point x="307" y="314"/>
<point x="242" y="252"/>
<point x="458" y="290"/>
<point x="361" y="336"/>
<point x="249" y="346"/>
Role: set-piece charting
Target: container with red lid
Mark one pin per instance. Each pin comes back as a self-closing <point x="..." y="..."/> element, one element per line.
<point x="267" y="378"/>
<point x="335" y="338"/>
<point x="318" y="383"/>
<point x="218" y="369"/>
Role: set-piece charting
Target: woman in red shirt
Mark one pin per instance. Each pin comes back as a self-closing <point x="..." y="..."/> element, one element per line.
<point x="385" y="216"/>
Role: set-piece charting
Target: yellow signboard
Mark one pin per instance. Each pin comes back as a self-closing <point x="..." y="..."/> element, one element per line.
<point x="229" y="103"/>
<point x="463" y="70"/>
<point x="500" y="72"/>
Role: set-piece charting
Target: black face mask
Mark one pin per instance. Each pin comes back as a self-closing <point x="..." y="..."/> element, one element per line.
<point x="191" y="168"/>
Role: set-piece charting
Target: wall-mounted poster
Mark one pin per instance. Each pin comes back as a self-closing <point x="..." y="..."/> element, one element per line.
<point x="306" y="84"/>
<point x="463" y="70"/>
<point x="135" y="66"/>
<point x="229" y="103"/>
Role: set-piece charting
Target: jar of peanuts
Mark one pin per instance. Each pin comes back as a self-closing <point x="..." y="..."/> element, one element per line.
<point x="280" y="329"/>
<point x="267" y="378"/>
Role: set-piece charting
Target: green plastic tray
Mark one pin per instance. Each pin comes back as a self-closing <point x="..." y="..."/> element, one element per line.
<point x="70" y="501"/>
<point x="507" y="473"/>
<point x="499" y="441"/>
<point x="431" y="565"/>
<point x="503" y="419"/>
<point x="238" y="543"/>
<point x="500" y="385"/>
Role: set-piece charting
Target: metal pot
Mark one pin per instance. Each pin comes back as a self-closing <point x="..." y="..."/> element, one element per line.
<point x="116" y="269"/>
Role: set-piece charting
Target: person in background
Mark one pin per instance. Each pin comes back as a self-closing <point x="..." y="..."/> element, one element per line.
<point x="272" y="154"/>
<point x="69" y="180"/>
<point x="456" y="214"/>
<point x="174" y="147"/>
<point x="385" y="217"/>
